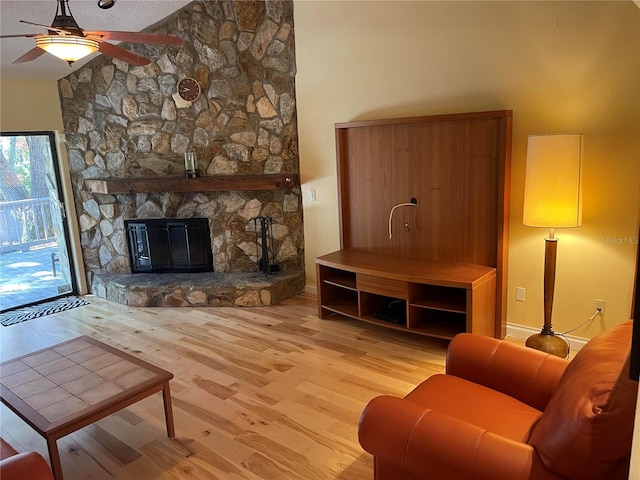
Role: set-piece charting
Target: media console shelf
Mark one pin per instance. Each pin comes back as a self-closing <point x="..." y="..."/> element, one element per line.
<point x="424" y="224"/>
<point x="428" y="298"/>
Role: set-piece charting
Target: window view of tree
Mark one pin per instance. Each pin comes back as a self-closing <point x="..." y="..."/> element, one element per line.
<point x="13" y="171"/>
<point x="39" y="149"/>
<point x="23" y="169"/>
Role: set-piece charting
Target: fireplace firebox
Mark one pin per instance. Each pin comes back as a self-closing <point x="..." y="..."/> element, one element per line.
<point x="170" y="245"/>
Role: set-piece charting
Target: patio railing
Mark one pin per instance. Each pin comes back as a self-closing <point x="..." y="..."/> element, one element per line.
<point x="25" y="223"/>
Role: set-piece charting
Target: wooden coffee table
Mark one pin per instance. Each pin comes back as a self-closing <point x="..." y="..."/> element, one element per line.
<point x="68" y="386"/>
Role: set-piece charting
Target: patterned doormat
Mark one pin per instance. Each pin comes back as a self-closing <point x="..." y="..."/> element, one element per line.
<point x="40" y="310"/>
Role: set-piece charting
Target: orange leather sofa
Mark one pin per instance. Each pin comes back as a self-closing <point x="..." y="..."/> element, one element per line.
<point x="22" y="466"/>
<point x="503" y="411"/>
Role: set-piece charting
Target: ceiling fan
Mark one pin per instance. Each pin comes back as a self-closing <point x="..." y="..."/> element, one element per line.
<point x="66" y="40"/>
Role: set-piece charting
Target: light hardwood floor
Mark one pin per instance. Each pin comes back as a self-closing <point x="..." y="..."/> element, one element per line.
<point x="259" y="393"/>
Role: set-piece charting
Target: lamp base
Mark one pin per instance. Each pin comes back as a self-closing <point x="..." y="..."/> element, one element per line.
<point x="549" y="343"/>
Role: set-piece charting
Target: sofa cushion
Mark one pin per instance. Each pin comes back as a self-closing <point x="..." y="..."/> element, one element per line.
<point x="477" y="405"/>
<point x="6" y="450"/>
<point x="591" y="413"/>
<point x="25" y="466"/>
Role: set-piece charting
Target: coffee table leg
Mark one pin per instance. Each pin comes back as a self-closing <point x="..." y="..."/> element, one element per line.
<point x="54" y="458"/>
<point x="168" y="412"/>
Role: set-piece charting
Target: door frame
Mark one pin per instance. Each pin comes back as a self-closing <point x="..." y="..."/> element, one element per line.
<point x="70" y="228"/>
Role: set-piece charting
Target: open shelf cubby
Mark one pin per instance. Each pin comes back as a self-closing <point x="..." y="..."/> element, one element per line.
<point x="435" y="297"/>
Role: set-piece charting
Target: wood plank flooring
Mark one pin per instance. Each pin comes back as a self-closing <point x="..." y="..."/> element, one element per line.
<point x="259" y="393"/>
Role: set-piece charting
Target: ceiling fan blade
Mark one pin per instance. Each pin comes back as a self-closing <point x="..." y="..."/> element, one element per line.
<point x="27" y="35"/>
<point x="136" y="37"/>
<point x="32" y="54"/>
<point x="122" y="54"/>
<point x="55" y="29"/>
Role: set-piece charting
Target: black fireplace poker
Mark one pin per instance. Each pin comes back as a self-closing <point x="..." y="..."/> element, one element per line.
<point x="265" y="264"/>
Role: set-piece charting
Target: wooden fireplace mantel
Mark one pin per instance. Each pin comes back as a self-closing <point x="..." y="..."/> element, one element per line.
<point x="199" y="184"/>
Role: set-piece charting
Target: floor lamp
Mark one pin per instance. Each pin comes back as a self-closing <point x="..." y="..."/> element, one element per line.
<point x="552" y="199"/>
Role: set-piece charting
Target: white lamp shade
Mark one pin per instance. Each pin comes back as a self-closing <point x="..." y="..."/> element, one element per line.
<point x="66" y="47"/>
<point x="553" y="179"/>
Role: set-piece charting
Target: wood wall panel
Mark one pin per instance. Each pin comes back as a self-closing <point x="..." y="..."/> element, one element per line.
<point x="456" y="166"/>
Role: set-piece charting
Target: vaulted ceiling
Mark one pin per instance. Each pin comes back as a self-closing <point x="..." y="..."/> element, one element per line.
<point x="125" y="15"/>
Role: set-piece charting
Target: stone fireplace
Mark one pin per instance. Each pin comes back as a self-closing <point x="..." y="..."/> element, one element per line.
<point x="127" y="136"/>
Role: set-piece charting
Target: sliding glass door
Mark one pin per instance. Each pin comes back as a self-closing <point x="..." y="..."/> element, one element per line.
<point x="34" y="253"/>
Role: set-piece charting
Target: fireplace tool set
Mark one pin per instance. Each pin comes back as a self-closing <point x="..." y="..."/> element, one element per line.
<point x="266" y="262"/>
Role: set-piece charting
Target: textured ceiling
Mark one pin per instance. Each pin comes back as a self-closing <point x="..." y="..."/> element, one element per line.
<point x="127" y="15"/>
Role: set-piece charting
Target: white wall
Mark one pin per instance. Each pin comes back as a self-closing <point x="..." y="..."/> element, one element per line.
<point x="29" y="105"/>
<point x="560" y="66"/>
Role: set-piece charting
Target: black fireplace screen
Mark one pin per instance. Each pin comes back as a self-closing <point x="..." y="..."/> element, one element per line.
<point x="170" y="245"/>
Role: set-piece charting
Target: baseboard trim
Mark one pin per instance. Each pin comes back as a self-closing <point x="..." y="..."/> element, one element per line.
<point x="311" y="288"/>
<point x="522" y="332"/>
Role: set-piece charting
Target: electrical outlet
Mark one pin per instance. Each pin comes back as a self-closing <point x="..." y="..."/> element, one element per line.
<point x="599" y="305"/>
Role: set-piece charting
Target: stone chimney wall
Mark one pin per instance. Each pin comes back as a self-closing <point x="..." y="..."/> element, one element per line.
<point x="124" y="121"/>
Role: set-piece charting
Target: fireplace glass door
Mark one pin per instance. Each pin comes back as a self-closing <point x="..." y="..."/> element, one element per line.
<point x="170" y="245"/>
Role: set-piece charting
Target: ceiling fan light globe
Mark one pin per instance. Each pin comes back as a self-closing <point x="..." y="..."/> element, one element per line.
<point x="104" y="4"/>
<point x="69" y="49"/>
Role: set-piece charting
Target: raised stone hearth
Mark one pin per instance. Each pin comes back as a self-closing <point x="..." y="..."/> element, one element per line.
<point x="246" y="289"/>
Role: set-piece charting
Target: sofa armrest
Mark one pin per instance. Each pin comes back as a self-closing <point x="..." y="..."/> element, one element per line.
<point x="429" y="444"/>
<point x="526" y="374"/>
<point x="29" y="465"/>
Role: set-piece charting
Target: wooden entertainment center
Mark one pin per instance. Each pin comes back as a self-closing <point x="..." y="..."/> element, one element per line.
<point x="424" y="212"/>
